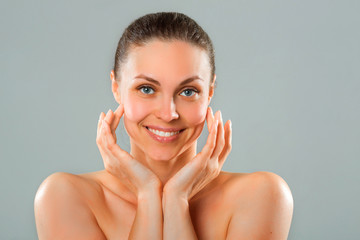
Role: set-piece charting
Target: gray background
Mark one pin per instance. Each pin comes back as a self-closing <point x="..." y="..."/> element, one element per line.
<point x="288" y="78"/>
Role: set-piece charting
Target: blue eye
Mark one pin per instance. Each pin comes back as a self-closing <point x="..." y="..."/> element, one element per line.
<point x="147" y="90"/>
<point x="188" y="92"/>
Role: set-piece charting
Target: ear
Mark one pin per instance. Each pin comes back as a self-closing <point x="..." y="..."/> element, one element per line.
<point x="115" y="87"/>
<point x="211" y="89"/>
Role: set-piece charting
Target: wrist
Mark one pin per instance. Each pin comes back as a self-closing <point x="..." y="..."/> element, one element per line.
<point x="173" y="194"/>
<point x="149" y="192"/>
<point x="172" y="199"/>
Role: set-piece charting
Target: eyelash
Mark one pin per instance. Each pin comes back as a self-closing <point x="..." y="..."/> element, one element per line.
<point x="146" y="86"/>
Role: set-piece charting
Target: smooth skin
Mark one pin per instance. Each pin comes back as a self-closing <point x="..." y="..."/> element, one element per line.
<point x="164" y="190"/>
<point x="193" y="177"/>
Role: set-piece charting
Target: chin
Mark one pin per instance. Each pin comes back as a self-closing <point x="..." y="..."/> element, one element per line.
<point x="162" y="154"/>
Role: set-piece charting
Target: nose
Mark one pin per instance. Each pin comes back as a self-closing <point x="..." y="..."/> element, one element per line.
<point x="166" y="110"/>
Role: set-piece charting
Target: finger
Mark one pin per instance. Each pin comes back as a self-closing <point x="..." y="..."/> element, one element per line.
<point x="107" y="138"/>
<point x="109" y="119"/>
<point x="117" y="116"/>
<point x="209" y="118"/>
<point x="220" y="141"/>
<point x="110" y="142"/>
<point x="101" y="138"/>
<point x="228" y="145"/>
<point x="124" y="159"/>
<point x="211" y="140"/>
<point x="117" y="162"/>
<point x="109" y="116"/>
<point x="101" y="117"/>
<point x="107" y="152"/>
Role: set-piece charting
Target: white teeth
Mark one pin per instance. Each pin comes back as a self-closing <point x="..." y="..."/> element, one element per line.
<point x="163" y="134"/>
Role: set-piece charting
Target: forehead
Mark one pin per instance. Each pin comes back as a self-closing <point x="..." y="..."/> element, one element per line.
<point x="167" y="60"/>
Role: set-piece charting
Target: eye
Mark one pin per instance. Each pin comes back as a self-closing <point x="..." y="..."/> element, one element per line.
<point x="146" y="90"/>
<point x="188" y="92"/>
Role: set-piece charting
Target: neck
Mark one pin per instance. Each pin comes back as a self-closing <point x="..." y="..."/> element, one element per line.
<point x="164" y="168"/>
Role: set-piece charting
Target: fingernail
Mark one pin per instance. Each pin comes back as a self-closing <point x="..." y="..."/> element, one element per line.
<point x="230" y="124"/>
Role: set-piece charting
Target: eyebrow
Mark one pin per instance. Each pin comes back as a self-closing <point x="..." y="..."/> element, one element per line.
<point x="190" y="79"/>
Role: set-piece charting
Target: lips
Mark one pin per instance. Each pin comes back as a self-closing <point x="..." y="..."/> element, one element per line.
<point x="163" y="134"/>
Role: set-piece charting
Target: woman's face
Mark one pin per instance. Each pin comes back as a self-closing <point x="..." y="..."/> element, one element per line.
<point x="165" y="89"/>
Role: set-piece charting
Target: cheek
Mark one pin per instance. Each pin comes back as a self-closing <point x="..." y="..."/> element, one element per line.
<point x="135" y="110"/>
<point x="195" y="114"/>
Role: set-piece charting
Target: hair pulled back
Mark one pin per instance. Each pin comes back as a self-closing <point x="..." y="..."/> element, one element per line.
<point x="165" y="26"/>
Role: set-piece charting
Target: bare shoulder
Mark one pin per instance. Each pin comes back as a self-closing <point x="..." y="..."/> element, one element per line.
<point x="262" y="206"/>
<point x="75" y="187"/>
<point x="61" y="208"/>
<point x="261" y="182"/>
<point x="252" y="184"/>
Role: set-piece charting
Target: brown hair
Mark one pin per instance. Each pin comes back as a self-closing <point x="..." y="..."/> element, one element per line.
<point x="164" y="26"/>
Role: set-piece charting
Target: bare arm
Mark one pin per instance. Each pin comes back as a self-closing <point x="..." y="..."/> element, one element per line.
<point x="148" y="223"/>
<point x="177" y="220"/>
<point x="62" y="213"/>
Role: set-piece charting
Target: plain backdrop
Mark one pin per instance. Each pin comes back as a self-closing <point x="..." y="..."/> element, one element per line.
<point x="287" y="76"/>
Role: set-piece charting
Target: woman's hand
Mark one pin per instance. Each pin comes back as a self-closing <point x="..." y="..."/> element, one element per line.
<point x="207" y="164"/>
<point x="117" y="161"/>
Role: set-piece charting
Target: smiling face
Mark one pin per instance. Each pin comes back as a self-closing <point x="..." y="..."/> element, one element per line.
<point x="165" y="88"/>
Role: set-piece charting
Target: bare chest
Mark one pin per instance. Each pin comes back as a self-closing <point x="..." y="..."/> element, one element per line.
<point x="209" y="216"/>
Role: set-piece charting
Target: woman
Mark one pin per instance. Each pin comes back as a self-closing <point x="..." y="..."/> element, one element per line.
<point x="163" y="80"/>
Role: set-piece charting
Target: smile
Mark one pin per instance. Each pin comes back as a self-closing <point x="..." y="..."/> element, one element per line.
<point x="161" y="133"/>
<point x="164" y="136"/>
